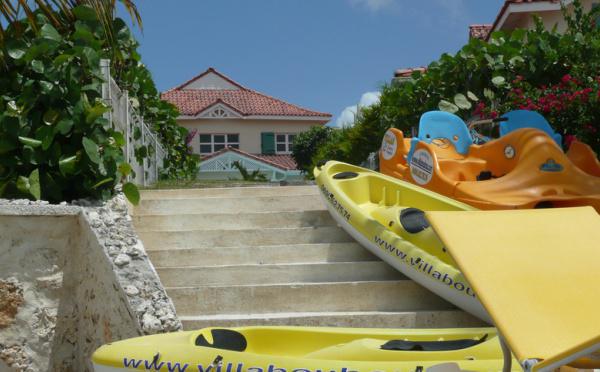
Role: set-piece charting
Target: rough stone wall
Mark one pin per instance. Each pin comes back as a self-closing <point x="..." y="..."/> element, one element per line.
<point x="113" y="228"/>
<point x="95" y="312"/>
<point x="32" y="256"/>
<point x="71" y="279"/>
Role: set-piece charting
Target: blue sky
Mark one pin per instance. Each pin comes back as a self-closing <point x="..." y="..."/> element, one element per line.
<point x="320" y="54"/>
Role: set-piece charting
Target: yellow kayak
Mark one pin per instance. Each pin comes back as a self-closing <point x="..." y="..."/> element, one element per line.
<point x="386" y="216"/>
<point x="305" y="349"/>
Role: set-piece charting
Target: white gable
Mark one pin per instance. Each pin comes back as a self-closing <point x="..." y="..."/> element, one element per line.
<point x="211" y="81"/>
<point x="218" y="111"/>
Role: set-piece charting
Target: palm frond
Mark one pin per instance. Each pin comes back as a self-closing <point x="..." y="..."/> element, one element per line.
<point x="12" y="11"/>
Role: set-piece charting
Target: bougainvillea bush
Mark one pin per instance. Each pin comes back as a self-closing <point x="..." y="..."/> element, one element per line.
<point x="571" y="105"/>
<point x="55" y="143"/>
<point x="484" y="74"/>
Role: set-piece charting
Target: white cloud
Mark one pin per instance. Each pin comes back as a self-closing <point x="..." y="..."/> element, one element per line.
<point x="373" y="5"/>
<point x="348" y="115"/>
<point x="369" y="99"/>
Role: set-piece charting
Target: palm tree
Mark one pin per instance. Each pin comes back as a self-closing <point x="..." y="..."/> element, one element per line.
<point x="60" y="13"/>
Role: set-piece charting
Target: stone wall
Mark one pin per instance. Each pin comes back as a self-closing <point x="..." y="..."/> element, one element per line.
<point x="71" y="279"/>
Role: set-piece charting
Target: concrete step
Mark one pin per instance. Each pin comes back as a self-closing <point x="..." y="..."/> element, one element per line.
<point x="356" y="319"/>
<point x="277" y="274"/>
<point x="229" y="205"/>
<point x="229" y="191"/>
<point x="400" y="295"/>
<point x="267" y="254"/>
<point x="235" y="238"/>
<point x="232" y="220"/>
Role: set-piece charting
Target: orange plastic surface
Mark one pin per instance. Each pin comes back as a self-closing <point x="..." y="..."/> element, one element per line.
<point x="528" y="170"/>
<point x="584" y="158"/>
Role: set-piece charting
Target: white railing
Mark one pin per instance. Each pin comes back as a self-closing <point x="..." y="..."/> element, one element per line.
<point x="125" y="118"/>
<point x="224" y="164"/>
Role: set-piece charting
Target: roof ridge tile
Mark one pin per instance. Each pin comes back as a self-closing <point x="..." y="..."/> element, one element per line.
<point x="245" y="101"/>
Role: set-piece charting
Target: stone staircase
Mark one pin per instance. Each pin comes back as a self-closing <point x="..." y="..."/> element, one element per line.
<point x="274" y="256"/>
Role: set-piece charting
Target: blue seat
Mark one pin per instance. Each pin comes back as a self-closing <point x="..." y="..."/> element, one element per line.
<point x="527" y="119"/>
<point x="441" y="124"/>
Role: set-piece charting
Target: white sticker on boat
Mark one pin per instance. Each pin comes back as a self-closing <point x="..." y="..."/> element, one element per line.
<point x="421" y="167"/>
<point x="509" y="152"/>
<point x="389" y="145"/>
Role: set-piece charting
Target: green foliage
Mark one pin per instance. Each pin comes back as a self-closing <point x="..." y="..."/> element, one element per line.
<point x="247" y="176"/>
<point x="55" y="143"/>
<point x="479" y="71"/>
<point x="102" y="11"/>
<point x="131" y="192"/>
<point x="306" y="144"/>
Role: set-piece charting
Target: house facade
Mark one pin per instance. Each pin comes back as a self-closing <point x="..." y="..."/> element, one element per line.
<point x="222" y="115"/>
<point x="518" y="14"/>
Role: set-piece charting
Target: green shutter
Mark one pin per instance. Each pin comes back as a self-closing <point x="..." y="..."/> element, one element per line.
<point x="267" y="143"/>
<point x="594" y="6"/>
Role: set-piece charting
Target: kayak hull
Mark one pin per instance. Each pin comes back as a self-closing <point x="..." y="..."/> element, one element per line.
<point x="303" y="349"/>
<point x="414" y="258"/>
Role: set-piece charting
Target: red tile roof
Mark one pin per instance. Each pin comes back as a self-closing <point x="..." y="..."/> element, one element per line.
<point x="283" y="162"/>
<point x="244" y="101"/>
<point x="479" y="31"/>
<point x="507" y="4"/>
<point x="407" y="72"/>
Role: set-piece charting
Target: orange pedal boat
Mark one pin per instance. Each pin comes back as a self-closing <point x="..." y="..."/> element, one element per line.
<point x="523" y="169"/>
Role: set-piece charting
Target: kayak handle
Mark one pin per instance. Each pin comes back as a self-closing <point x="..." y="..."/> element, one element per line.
<point x="225" y="339"/>
<point x="413" y="220"/>
<point x="402" y="345"/>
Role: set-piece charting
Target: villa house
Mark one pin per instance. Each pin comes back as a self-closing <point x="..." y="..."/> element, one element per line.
<point x="516" y="14"/>
<point x="229" y="122"/>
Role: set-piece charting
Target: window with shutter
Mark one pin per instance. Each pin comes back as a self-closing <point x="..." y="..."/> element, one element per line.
<point x="267" y="143"/>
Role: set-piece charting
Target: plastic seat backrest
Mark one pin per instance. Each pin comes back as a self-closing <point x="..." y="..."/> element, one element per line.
<point x="441" y="124"/>
<point x="527" y="119"/>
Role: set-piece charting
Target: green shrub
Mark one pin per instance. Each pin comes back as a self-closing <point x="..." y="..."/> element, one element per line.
<point x="482" y="71"/>
<point x="306" y="144"/>
<point x="55" y="143"/>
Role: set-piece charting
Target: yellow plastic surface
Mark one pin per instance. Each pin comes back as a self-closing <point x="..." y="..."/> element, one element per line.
<point x="537" y="272"/>
<point x="304" y="348"/>
<point x="370" y="203"/>
<point x="526" y="165"/>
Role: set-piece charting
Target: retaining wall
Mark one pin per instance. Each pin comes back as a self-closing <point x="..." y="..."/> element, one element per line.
<point x="71" y="279"/>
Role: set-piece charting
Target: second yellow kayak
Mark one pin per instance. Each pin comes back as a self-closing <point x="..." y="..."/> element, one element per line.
<point x="386" y="216"/>
<point x="305" y="349"/>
